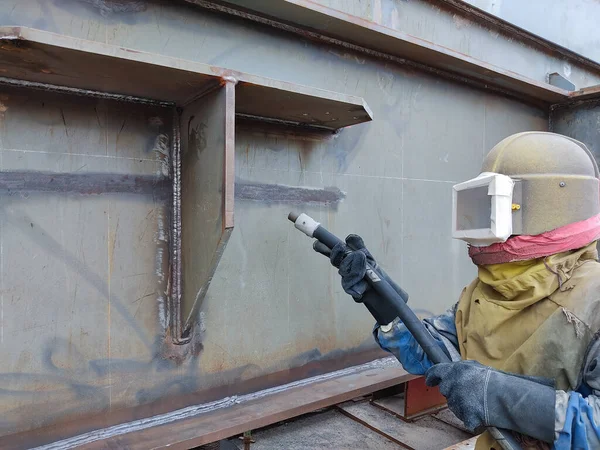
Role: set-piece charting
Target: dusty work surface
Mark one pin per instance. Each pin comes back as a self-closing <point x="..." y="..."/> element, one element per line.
<point x="447" y="416"/>
<point x="356" y="425"/>
<point x="465" y="445"/>
<point x="425" y="433"/>
<point x="393" y="404"/>
<point x="327" y="430"/>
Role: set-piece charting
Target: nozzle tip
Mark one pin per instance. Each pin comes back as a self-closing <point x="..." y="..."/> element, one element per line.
<point x="293" y="216"/>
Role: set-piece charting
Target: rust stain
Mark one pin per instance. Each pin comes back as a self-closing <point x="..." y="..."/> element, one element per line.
<point x="108" y="8"/>
<point x="460" y="22"/>
<point x="304" y="153"/>
<point x="227" y="79"/>
<point x="180" y="353"/>
<point x="223" y="73"/>
<point x="14" y="46"/>
<point x="11" y="32"/>
<point x="112" y="241"/>
<point x="264" y="128"/>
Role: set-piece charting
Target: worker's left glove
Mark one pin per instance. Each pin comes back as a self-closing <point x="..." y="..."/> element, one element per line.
<point x="351" y="260"/>
<point x="481" y="396"/>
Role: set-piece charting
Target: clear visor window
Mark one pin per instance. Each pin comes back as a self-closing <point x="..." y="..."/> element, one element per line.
<point x="473" y="209"/>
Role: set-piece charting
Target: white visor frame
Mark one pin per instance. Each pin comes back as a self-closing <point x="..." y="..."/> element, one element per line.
<point x="482" y="209"/>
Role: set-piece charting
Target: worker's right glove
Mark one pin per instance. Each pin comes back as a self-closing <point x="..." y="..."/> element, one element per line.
<point x="481" y="396"/>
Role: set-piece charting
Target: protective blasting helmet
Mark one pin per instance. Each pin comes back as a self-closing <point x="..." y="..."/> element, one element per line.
<point x="530" y="183"/>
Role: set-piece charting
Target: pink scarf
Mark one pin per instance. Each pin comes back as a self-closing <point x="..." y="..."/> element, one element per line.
<point x="522" y="248"/>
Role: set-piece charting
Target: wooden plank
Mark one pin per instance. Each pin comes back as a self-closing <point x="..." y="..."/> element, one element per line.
<point x="314" y="17"/>
<point x="43" y="57"/>
<point x="226" y="422"/>
<point x="426" y="433"/>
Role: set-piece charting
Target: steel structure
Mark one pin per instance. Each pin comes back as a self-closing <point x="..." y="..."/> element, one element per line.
<point x="150" y="150"/>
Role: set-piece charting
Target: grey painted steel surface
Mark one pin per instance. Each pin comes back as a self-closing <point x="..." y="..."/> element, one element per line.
<point x="76" y="343"/>
<point x="32" y="57"/>
<point x="356" y="34"/>
<point x="572" y="24"/>
<point x="579" y="121"/>
<point x="425" y="20"/>
<point x="78" y="271"/>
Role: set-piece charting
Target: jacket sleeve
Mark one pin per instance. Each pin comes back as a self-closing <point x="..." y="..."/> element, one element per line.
<point x="577" y="413"/>
<point x="577" y="423"/>
<point x="398" y="341"/>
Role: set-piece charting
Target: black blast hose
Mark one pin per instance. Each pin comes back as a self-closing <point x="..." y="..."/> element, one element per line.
<point x="388" y="294"/>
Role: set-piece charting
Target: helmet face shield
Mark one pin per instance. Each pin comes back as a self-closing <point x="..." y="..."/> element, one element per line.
<point x="531" y="183"/>
<point x="482" y="209"/>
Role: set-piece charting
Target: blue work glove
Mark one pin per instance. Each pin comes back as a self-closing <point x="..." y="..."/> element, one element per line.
<point x="481" y="396"/>
<point x="351" y="260"/>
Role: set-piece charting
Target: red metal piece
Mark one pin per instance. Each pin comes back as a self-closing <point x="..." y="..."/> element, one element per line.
<point x="420" y="399"/>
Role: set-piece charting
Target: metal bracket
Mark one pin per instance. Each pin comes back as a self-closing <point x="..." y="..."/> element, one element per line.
<point x="420" y="399"/>
<point x="556" y="79"/>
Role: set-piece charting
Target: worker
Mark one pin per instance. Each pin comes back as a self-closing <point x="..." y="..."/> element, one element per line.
<point x="523" y="337"/>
